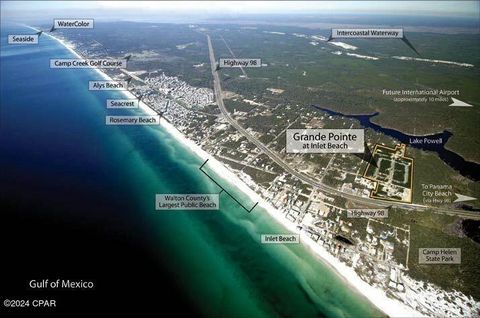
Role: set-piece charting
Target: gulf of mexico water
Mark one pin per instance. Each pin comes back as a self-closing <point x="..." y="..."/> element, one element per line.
<point x="78" y="203"/>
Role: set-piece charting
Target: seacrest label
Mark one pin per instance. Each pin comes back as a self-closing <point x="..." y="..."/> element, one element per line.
<point x="325" y="140"/>
<point x="187" y="201"/>
<point x="23" y="39"/>
<point x="107" y="85"/>
<point x="367" y="33"/>
<point x="87" y="63"/>
<point x="122" y="103"/>
<point x="240" y="63"/>
<point x="367" y="213"/>
<point x="280" y="238"/>
<point x="132" y="120"/>
<point x="437" y="193"/>
<point x="441" y="255"/>
<point x="420" y="95"/>
<point x="73" y="23"/>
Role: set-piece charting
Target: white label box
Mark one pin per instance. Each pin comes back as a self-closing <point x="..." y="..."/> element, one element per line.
<point x="122" y="103"/>
<point x="193" y="201"/>
<point x="280" y="238"/>
<point x="23" y="39"/>
<point x="107" y="85"/>
<point x="231" y="62"/>
<point x="133" y="120"/>
<point x="325" y="140"/>
<point x="73" y="23"/>
<point x="372" y="33"/>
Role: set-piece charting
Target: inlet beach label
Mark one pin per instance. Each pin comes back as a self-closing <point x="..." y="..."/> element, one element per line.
<point x="325" y="140"/>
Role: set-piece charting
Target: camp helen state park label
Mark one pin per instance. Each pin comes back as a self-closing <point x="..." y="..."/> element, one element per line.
<point x="439" y="255"/>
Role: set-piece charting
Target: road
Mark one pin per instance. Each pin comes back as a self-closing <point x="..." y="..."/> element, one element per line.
<point x="304" y="178"/>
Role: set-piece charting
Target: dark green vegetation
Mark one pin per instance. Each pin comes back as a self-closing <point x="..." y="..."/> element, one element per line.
<point x="438" y="230"/>
<point x="313" y="75"/>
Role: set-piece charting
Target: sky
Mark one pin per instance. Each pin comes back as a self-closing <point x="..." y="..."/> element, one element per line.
<point x="164" y="9"/>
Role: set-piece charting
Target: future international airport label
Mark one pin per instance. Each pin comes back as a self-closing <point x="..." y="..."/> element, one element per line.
<point x="122" y="103"/>
<point x="23" y="39"/>
<point x="440" y="255"/>
<point x="88" y="63"/>
<point x="169" y="202"/>
<point x="280" y="238"/>
<point x="325" y="141"/>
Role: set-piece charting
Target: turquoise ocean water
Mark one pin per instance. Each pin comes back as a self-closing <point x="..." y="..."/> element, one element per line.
<point x="66" y="171"/>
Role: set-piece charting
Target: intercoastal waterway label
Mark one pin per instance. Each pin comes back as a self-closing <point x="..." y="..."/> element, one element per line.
<point x="133" y="120"/>
<point x="372" y="33"/>
<point x="325" y="140"/>
<point x="280" y="238"/>
<point x="166" y="201"/>
<point x="239" y="63"/>
<point x="122" y="103"/>
<point x="367" y="213"/>
<point x="88" y="63"/>
<point x="107" y="85"/>
<point x="442" y="255"/>
<point x="23" y="39"/>
<point x="73" y="23"/>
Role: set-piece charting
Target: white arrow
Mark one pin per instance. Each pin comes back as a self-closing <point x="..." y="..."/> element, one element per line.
<point x="457" y="102"/>
<point x="461" y="198"/>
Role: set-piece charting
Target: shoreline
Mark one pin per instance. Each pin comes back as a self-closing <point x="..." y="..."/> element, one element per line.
<point x="375" y="296"/>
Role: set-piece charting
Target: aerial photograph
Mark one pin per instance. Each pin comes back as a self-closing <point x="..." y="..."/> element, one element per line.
<point x="240" y="158"/>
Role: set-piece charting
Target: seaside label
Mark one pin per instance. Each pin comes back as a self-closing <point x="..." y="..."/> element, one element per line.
<point x="88" y="63"/>
<point x="73" y="23"/>
<point x="169" y="202"/>
<point x="133" y="120"/>
<point x="122" y="103"/>
<point x="325" y="140"/>
<point x="107" y="85"/>
<point x="280" y="238"/>
<point x="440" y="255"/>
<point x="234" y="62"/>
<point x="23" y="39"/>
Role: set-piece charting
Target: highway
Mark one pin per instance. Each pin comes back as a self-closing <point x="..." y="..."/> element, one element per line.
<point x="304" y="178"/>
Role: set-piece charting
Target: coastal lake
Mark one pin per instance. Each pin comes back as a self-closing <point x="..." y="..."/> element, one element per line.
<point x="434" y="142"/>
<point x="78" y="202"/>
